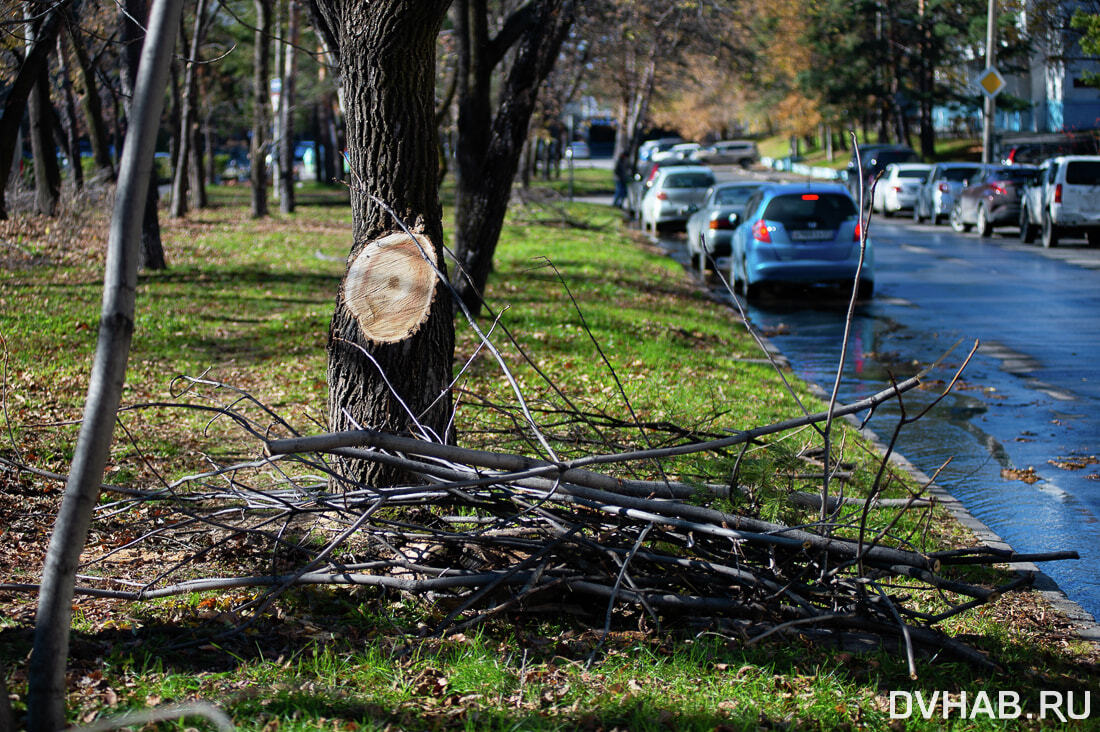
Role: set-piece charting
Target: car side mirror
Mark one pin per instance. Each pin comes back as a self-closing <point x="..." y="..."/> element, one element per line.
<point x="692" y="208"/>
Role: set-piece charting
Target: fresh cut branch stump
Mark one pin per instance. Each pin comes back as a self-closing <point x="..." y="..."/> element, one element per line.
<point x="390" y="286"/>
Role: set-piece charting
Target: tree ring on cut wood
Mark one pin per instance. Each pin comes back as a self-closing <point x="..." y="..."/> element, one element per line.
<point x="390" y="286"/>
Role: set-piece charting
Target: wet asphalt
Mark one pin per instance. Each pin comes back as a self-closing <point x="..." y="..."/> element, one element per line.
<point x="1017" y="440"/>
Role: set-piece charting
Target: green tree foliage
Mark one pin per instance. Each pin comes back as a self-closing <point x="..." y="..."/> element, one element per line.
<point x="1089" y="26"/>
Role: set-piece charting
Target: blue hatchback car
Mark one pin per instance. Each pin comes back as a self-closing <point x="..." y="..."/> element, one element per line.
<point x="800" y="233"/>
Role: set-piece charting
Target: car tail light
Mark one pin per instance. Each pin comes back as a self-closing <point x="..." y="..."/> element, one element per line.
<point x="662" y="196"/>
<point x="858" y="231"/>
<point x="722" y="222"/>
<point x="998" y="189"/>
<point x="760" y="232"/>
<point x="1058" y="193"/>
<point x="944" y="188"/>
<point x="895" y="189"/>
<point x="810" y="197"/>
<point x="652" y="174"/>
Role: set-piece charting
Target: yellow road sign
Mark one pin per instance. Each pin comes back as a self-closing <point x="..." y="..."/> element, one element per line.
<point x="991" y="82"/>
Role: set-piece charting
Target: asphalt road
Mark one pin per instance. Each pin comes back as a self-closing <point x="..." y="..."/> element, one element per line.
<point x="1020" y="435"/>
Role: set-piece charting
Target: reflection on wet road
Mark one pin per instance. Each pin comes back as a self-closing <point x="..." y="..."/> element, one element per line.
<point x="1029" y="402"/>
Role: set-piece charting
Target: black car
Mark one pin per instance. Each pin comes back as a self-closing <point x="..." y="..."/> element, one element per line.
<point x="872" y="160"/>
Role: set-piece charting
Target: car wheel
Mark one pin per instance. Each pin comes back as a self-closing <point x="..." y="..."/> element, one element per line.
<point x="917" y="218"/>
<point x="886" y="212"/>
<point x="957" y="222"/>
<point x="1027" y="231"/>
<point x="1093" y="237"/>
<point x="1050" y="232"/>
<point x="865" y="290"/>
<point x="752" y="290"/>
<point x="985" y="229"/>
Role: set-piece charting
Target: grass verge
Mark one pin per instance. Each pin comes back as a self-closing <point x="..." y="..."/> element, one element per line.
<point x="248" y="303"/>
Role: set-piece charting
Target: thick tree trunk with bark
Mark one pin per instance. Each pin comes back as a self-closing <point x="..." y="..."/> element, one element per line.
<point x="132" y="19"/>
<point x="391" y="341"/>
<point x="258" y="146"/>
<point x="489" y="147"/>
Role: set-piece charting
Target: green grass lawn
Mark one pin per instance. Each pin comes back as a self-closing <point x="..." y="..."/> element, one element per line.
<point x="247" y="303"/>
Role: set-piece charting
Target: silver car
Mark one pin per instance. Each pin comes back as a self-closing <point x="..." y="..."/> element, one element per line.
<point x="937" y="196"/>
<point x="710" y="229"/>
<point x="898" y="187"/>
<point x="675" y="194"/>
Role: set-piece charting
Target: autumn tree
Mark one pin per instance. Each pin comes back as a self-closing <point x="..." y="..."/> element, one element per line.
<point x="391" y="340"/>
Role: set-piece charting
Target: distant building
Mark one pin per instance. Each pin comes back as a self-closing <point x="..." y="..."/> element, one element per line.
<point x="1060" y="101"/>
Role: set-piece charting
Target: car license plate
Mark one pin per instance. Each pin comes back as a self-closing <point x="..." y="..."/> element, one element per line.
<point x="812" y="235"/>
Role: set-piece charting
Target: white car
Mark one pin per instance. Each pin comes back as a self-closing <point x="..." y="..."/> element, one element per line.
<point x="944" y="184"/>
<point x="899" y="186"/>
<point x="676" y="193"/>
<point x="680" y="151"/>
<point x="1065" y="201"/>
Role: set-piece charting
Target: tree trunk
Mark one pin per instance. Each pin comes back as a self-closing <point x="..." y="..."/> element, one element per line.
<point x="93" y="108"/>
<point x="132" y="19"/>
<point x="72" y="129"/>
<point x="387" y="55"/>
<point x="47" y="175"/>
<point x="258" y="146"/>
<point x="186" y="170"/>
<point x="44" y="32"/>
<point x="286" y="111"/>
<point x="489" y="148"/>
<point x="46" y="675"/>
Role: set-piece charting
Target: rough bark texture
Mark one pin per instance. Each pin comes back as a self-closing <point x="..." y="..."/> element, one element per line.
<point x="258" y="147"/>
<point x="132" y="19"/>
<point x="387" y="55"/>
<point x="490" y="146"/>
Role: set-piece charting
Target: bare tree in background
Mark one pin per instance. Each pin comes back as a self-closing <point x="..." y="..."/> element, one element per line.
<point x="489" y="145"/>
<point x="258" y="147"/>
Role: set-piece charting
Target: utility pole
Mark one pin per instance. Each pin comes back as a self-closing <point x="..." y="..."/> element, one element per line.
<point x="990" y="101"/>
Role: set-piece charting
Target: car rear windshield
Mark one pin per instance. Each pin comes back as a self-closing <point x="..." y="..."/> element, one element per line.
<point x="827" y="209"/>
<point x="911" y="173"/>
<point x="959" y="174"/>
<point x="689" y="180"/>
<point x="1083" y="173"/>
<point x="734" y="196"/>
<point x="1013" y="174"/>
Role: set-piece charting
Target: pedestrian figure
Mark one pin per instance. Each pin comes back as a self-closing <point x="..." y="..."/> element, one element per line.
<point x="622" y="177"/>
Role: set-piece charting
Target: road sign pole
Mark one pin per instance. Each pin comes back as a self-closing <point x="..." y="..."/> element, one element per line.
<point x="990" y="100"/>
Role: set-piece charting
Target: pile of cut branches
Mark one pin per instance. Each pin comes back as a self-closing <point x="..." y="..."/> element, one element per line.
<point x="478" y="534"/>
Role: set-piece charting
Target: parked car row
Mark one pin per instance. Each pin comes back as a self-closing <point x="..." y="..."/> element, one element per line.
<point x="764" y="232"/>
